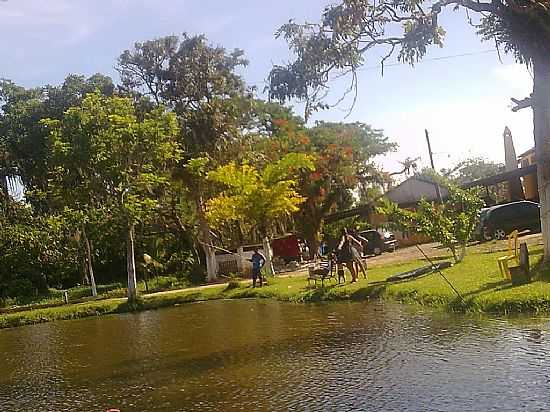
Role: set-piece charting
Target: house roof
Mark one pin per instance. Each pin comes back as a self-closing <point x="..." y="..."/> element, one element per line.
<point x="528" y="152"/>
<point x="413" y="189"/>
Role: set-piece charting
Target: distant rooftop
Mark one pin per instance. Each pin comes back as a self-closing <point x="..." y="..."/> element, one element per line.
<point x="527" y="153"/>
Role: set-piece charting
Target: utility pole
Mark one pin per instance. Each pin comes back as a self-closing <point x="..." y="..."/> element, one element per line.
<point x="437" y="189"/>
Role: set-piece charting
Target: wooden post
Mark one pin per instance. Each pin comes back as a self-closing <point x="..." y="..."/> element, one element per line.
<point x="437" y="189"/>
<point x="524" y="260"/>
<point x="520" y="274"/>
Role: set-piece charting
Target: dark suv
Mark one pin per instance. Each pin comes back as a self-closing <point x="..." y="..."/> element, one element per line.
<point x="378" y="242"/>
<point x="498" y="221"/>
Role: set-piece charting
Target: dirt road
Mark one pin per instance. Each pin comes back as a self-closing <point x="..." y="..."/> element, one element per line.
<point x="433" y="250"/>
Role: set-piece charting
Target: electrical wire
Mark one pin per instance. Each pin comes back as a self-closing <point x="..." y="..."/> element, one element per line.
<point x="453" y="56"/>
<point x="377" y="67"/>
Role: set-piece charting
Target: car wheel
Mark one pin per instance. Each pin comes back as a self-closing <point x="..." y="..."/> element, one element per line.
<point x="486" y="235"/>
<point x="499" y="234"/>
<point x="377" y="251"/>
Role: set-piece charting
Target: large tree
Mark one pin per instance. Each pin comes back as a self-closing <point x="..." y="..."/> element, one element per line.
<point x="200" y="83"/>
<point x="349" y="30"/>
<point x="256" y="199"/>
<point x="114" y="157"/>
<point x="344" y="156"/>
<point x="23" y="140"/>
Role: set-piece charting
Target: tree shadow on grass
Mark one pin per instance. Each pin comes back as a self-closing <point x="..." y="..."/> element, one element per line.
<point x="540" y="270"/>
<point x="337" y="291"/>
<point x="437" y="258"/>
<point x="488" y="287"/>
<point x="372" y="291"/>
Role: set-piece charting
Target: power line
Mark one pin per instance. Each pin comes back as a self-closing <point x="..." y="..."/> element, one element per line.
<point x="377" y="67"/>
<point x="453" y="56"/>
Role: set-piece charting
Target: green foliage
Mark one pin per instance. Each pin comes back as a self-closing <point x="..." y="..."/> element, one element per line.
<point x="96" y="165"/>
<point x="198" y="81"/>
<point x="36" y="252"/>
<point x="201" y="84"/>
<point x="104" y="154"/>
<point x="473" y="169"/>
<point x="24" y="139"/>
<point x="350" y="30"/>
<point x="451" y="223"/>
<point x="344" y="161"/>
<point x="521" y="27"/>
<point x="256" y="198"/>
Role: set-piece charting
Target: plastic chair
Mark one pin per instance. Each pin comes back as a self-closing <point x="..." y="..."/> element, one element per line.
<point x="513" y="254"/>
<point x="321" y="271"/>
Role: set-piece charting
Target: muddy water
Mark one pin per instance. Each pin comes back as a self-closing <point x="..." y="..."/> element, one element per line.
<point x="262" y="355"/>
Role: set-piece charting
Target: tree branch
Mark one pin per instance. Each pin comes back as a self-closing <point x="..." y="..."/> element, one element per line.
<point x="477" y="6"/>
<point x="522" y="104"/>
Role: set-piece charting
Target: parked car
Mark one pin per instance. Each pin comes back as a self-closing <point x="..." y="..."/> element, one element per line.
<point x="498" y="221"/>
<point x="478" y="231"/>
<point x="378" y="242"/>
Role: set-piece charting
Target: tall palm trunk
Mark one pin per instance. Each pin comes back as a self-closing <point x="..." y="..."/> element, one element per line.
<point x="268" y="253"/>
<point x="205" y="239"/>
<point x="89" y="265"/>
<point x="131" y="265"/>
<point x="541" y="120"/>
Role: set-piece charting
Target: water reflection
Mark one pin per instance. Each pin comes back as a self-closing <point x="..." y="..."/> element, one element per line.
<point x="264" y="355"/>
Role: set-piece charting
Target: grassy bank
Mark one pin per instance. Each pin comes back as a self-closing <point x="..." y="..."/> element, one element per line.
<point x="82" y="294"/>
<point x="477" y="279"/>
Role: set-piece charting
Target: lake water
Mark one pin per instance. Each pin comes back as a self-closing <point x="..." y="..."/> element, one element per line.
<point x="251" y="355"/>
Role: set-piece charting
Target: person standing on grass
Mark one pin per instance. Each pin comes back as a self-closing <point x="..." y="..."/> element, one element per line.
<point x="258" y="262"/>
<point x="358" y="244"/>
<point x="345" y="254"/>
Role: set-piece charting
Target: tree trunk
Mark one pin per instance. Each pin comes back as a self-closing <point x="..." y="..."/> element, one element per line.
<point x="131" y="265"/>
<point x="4" y="191"/>
<point x="85" y="278"/>
<point x="89" y="266"/>
<point x="268" y="253"/>
<point x="461" y="253"/>
<point x="206" y="242"/>
<point x="313" y="238"/>
<point x="541" y="120"/>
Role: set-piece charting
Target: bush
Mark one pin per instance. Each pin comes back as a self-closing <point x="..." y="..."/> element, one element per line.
<point x="233" y="284"/>
<point x="197" y="274"/>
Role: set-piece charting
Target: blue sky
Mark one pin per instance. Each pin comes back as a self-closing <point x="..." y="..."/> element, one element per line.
<point x="463" y="102"/>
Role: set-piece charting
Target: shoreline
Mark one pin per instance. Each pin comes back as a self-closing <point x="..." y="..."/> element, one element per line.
<point x="477" y="279"/>
<point x="291" y="289"/>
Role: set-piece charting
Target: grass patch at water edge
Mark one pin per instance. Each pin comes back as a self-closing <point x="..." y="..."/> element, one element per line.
<point x="477" y="279"/>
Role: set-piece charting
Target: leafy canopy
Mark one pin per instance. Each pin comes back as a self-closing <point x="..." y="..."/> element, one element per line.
<point x="105" y="153"/>
<point x="351" y="29"/>
<point x="253" y="197"/>
<point x="451" y="223"/>
<point x="23" y="140"/>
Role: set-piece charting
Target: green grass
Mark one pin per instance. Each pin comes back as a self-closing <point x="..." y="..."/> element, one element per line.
<point x="477" y="279"/>
<point x="81" y="294"/>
